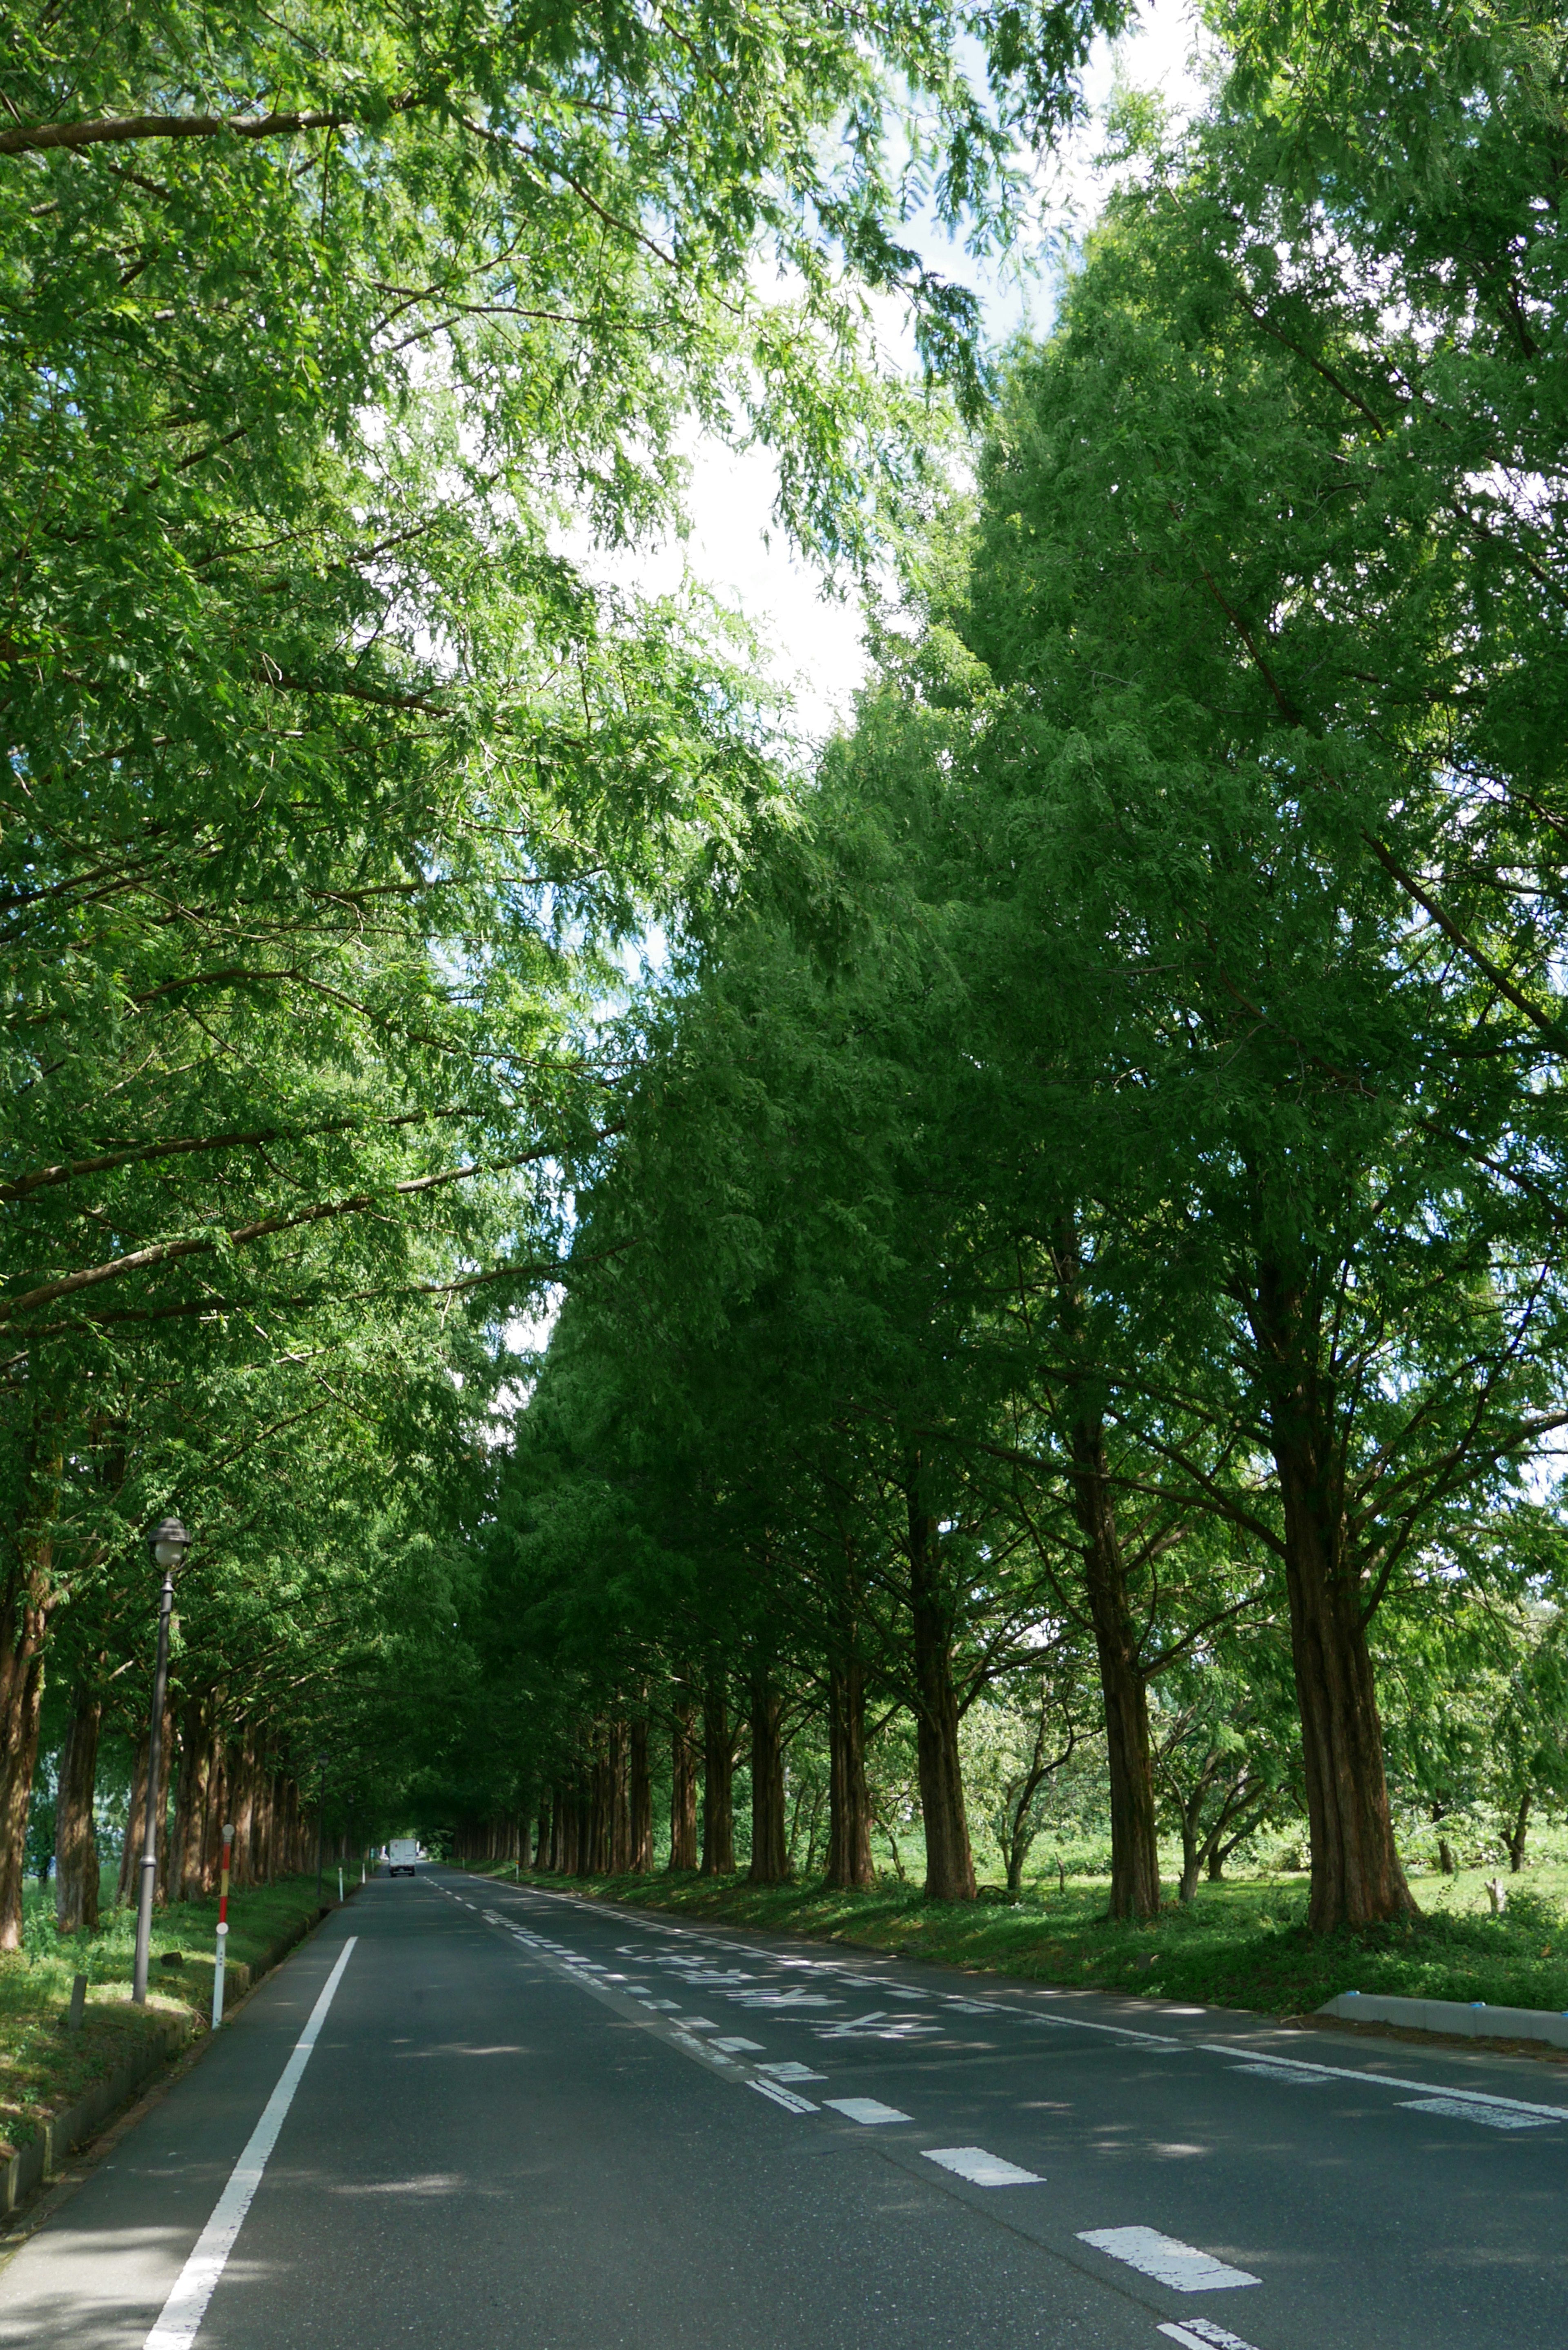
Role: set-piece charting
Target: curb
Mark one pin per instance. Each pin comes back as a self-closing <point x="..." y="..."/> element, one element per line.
<point x="62" y="2133"/>
<point x="1459" y="2020"/>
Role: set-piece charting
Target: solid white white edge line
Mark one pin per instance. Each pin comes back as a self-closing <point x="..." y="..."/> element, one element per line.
<point x="183" y="2312"/>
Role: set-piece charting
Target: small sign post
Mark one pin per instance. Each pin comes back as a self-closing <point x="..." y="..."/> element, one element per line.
<point x="223" y="1930"/>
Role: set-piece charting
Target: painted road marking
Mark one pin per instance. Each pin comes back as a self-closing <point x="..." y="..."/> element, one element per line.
<point x="785" y="2097"/>
<point x="792" y="2072"/>
<point x="1282" y="2072"/>
<point x="865" y="2109"/>
<point x="981" y="2170"/>
<point x="1489" y="2116"/>
<point x="695" y="2023"/>
<point x="740" y="2047"/>
<point x="1202" y="2334"/>
<point x="1388" y="2081"/>
<point x="1181" y="2266"/>
<point x="186" y="2307"/>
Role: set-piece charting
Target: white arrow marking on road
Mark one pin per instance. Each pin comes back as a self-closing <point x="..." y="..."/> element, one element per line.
<point x="186" y="2307"/>
<point x="1181" y="2266"/>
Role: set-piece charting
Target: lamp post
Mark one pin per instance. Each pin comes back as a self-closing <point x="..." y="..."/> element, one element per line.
<point x="167" y="1543"/>
<point x="320" y="1801"/>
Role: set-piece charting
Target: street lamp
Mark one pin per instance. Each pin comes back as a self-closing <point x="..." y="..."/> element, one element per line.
<point x="167" y="1543"/>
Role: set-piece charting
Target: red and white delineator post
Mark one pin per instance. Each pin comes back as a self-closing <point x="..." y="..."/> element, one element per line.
<point x="223" y="1930"/>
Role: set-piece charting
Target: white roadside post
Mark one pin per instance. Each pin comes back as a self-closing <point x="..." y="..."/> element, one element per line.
<point x="223" y="1928"/>
<point x="340" y="1886"/>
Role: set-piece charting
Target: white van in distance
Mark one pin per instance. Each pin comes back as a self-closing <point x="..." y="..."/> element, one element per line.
<point x="401" y="1855"/>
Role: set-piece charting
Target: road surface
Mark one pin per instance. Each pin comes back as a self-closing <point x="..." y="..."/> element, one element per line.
<point x="526" y="2121"/>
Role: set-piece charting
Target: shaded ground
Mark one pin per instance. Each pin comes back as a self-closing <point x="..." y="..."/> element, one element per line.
<point x="1237" y="1945"/>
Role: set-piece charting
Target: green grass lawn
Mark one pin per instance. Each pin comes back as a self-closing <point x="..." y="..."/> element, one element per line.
<point x="43" y="2066"/>
<point x="1243" y="1944"/>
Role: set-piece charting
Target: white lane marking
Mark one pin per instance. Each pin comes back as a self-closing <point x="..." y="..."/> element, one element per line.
<point x="792" y="2072"/>
<point x="1387" y="2081"/>
<point x="1116" y="2030"/>
<point x="1489" y="2116"/>
<point x="662" y="2002"/>
<point x="981" y="2170"/>
<point x="977" y="2006"/>
<point x="1202" y="2334"/>
<point x="734" y="2047"/>
<point x="186" y="2307"/>
<point x="785" y="2097"/>
<point x="1181" y="2266"/>
<point x="865" y="2109"/>
<point x="1296" y="2073"/>
<point x="695" y="2023"/>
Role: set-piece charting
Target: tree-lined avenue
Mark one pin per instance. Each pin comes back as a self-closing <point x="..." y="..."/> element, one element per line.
<point x="534" y="2120"/>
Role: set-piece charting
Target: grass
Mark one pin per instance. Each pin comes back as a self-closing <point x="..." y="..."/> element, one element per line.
<point x="44" y="2067"/>
<point x="1243" y="1944"/>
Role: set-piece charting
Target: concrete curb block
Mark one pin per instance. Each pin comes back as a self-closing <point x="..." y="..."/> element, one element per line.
<point x="1472" y="2021"/>
<point x="66" y="2131"/>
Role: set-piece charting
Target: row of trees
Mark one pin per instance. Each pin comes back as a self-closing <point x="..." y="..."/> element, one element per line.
<point x="334" y="786"/>
<point x="1091" y="1204"/>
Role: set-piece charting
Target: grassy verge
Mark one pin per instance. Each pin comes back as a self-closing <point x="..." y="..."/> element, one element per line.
<point x="44" y="2067"/>
<point x="1238" y="1945"/>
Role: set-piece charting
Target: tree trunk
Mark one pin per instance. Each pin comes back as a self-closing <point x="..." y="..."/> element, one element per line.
<point x="770" y="1842"/>
<point x="640" y="1800"/>
<point x="187" y="1845"/>
<point x="26" y="1600"/>
<point x="126" y="1886"/>
<point x="546" y="1831"/>
<point x="75" y="1845"/>
<point x="1357" y="1878"/>
<point x="717" y="1780"/>
<point x="1517" y="1832"/>
<point x="1134" y="1844"/>
<point x="849" y="1862"/>
<point x="950" y="1863"/>
<point x="621" y="1798"/>
<point x="242" y="1812"/>
<point x="683" y="1787"/>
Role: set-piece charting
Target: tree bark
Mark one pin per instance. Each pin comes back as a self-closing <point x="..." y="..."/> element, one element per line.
<point x="75" y="1842"/>
<point x="1356" y="1877"/>
<point x="621" y="1798"/>
<point x="950" y="1862"/>
<point x="546" y="1831"/>
<point x="1517" y="1831"/>
<point x="27" y="1597"/>
<point x="640" y="1800"/>
<point x="770" y="1840"/>
<point x="1134" y="1844"/>
<point x="683" y="1787"/>
<point x="187" y="1845"/>
<point x="849" y="1863"/>
<point x="717" y="1780"/>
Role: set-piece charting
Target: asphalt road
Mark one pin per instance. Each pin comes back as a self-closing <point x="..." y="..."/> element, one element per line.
<point x="530" y="2123"/>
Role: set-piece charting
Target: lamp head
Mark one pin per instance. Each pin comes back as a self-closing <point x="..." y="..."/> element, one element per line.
<point x="168" y="1542"/>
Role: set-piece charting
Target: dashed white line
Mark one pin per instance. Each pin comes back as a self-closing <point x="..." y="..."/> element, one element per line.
<point x="981" y="2170"/>
<point x="780" y="2096"/>
<point x="865" y="2109"/>
<point x="1489" y="2118"/>
<point x="1299" y="2065"/>
<point x="1202" y="2334"/>
<point x="1182" y="2267"/>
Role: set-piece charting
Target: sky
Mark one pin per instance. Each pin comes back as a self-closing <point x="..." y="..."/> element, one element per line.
<point x="816" y="642"/>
